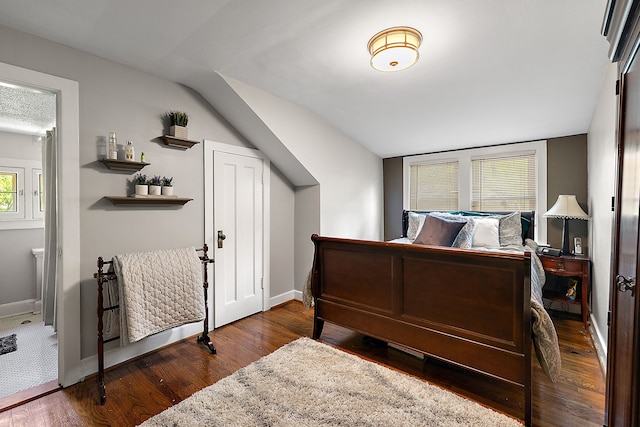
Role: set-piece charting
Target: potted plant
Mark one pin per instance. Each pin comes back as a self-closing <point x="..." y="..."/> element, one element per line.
<point x="140" y="181"/>
<point x="155" y="184"/>
<point x="178" y="121"/>
<point x="167" y="186"/>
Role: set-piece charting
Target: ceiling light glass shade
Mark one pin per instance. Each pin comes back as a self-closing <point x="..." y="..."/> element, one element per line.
<point x="395" y="49"/>
<point x="566" y="207"/>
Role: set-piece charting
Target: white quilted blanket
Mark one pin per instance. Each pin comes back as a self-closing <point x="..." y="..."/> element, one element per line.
<point x="158" y="290"/>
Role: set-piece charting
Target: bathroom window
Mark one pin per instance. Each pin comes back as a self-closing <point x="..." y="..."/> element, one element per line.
<point x="21" y="195"/>
<point x="11" y="191"/>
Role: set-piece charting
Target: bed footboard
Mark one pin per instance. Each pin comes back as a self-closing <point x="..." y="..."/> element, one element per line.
<point x="468" y="308"/>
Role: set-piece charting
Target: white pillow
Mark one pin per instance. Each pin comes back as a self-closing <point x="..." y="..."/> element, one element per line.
<point x="416" y="221"/>
<point x="486" y="233"/>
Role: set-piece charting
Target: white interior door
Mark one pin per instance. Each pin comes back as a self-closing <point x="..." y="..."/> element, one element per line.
<point x="238" y="211"/>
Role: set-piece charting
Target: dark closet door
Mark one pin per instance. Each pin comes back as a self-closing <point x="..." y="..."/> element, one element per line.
<point x="622" y="370"/>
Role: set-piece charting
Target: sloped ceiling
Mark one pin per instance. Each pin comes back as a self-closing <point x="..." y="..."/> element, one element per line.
<point x="490" y="71"/>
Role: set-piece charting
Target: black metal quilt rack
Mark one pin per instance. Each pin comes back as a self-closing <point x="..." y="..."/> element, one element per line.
<point x="103" y="277"/>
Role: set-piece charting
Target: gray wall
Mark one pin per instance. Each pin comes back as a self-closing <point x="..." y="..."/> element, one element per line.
<point x="307" y="223"/>
<point x="566" y="174"/>
<point x="392" y="169"/>
<point x="117" y="98"/>
<point x="282" y="229"/>
<point x="17" y="264"/>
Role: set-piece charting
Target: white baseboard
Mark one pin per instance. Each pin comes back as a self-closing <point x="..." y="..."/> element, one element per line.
<point x="114" y="354"/>
<point x="19" y="307"/>
<point x="599" y="343"/>
<point x="287" y="296"/>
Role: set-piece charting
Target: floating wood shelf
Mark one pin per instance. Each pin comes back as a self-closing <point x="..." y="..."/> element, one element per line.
<point x="148" y="200"/>
<point x="178" y="142"/>
<point x="123" y="165"/>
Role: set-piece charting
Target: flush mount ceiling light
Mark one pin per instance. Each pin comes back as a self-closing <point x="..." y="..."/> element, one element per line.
<point x="395" y="49"/>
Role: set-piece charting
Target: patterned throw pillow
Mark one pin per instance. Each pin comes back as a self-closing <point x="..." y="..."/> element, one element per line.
<point x="415" y="225"/>
<point x="464" y="239"/>
<point x="511" y="230"/>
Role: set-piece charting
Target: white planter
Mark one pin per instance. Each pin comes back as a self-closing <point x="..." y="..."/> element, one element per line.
<point x="142" y="190"/>
<point x="154" y="190"/>
<point x="167" y="191"/>
<point x="179" y="131"/>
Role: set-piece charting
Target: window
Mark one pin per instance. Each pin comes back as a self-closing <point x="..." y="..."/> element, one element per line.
<point x="9" y="190"/>
<point x="435" y="186"/>
<point x="504" y="183"/>
<point x="500" y="178"/>
<point x="21" y="194"/>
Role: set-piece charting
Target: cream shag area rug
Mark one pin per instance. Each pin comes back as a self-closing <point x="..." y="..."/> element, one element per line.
<point x="306" y="383"/>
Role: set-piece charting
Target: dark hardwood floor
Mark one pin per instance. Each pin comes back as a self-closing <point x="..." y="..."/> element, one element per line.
<point x="146" y="386"/>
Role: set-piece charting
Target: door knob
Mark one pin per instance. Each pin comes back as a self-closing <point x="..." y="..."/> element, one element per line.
<point x="221" y="237"/>
<point x="625" y="283"/>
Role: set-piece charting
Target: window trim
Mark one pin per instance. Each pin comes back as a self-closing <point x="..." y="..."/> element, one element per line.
<point x="36" y="174"/>
<point x="464" y="158"/>
<point x="25" y="218"/>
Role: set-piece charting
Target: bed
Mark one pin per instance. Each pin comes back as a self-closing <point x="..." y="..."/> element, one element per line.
<point x="477" y="307"/>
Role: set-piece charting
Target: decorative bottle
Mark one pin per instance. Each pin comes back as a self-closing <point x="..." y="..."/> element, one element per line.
<point x="113" y="146"/>
<point x="142" y="157"/>
<point x="129" y="153"/>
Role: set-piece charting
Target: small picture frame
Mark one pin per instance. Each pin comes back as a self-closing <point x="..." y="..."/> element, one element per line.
<point x="577" y="245"/>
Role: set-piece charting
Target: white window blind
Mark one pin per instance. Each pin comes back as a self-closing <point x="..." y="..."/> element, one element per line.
<point x="504" y="183"/>
<point x="434" y="186"/>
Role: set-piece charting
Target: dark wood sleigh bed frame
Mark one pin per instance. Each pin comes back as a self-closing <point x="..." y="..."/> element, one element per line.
<point x="466" y="307"/>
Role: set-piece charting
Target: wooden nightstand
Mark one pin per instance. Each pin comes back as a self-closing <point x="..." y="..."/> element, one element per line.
<point x="570" y="266"/>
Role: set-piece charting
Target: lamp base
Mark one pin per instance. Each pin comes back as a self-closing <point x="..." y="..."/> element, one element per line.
<point x="565" y="237"/>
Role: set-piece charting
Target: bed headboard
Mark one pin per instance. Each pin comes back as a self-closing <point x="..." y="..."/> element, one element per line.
<point x="527" y="215"/>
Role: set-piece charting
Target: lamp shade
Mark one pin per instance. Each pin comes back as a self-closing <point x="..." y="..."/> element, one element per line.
<point x="566" y="207"/>
<point x="395" y="49"/>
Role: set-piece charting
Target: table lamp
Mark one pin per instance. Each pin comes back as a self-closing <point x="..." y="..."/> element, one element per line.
<point x="566" y="207"/>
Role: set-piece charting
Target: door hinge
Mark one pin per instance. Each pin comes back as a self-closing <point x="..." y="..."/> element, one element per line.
<point x="609" y="318"/>
<point x="613" y="203"/>
<point x="617" y="87"/>
<point x="262" y="283"/>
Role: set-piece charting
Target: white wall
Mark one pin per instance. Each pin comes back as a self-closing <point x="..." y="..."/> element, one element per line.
<point x="601" y="154"/>
<point x="20" y="146"/>
<point x="349" y="175"/>
<point x="117" y="98"/>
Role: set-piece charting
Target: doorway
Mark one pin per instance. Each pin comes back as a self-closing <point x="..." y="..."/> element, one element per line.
<point x="67" y="299"/>
<point x="31" y="357"/>
<point x="237" y="228"/>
